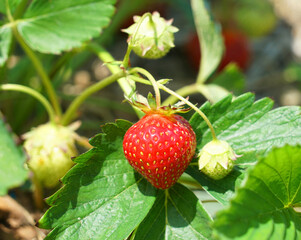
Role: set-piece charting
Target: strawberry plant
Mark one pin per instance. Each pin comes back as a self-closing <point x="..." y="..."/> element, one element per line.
<point x="140" y="180"/>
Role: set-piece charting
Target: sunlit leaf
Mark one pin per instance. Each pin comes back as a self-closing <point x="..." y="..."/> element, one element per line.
<point x="5" y="41"/>
<point x="55" y="26"/>
<point x="102" y="196"/>
<point x="263" y="206"/>
<point x="251" y="128"/>
<point x="177" y="214"/>
<point x="12" y="160"/>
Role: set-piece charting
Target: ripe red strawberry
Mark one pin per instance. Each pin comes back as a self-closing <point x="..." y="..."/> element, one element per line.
<point x="160" y="147"/>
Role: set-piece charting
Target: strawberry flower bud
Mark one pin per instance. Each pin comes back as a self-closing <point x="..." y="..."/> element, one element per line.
<point x="50" y="148"/>
<point x="216" y="159"/>
<point x="151" y="38"/>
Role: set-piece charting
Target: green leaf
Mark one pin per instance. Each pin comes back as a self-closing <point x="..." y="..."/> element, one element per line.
<point x="102" y="196"/>
<point x="12" y="5"/>
<point x="210" y="37"/>
<point x="251" y="129"/>
<point x="5" y="41"/>
<point x="12" y="159"/>
<point x="2" y="7"/>
<point x="222" y="190"/>
<point x="55" y="26"/>
<point x="177" y="214"/>
<point x="263" y="206"/>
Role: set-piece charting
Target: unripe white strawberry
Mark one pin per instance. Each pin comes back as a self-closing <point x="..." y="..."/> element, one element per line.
<point x="216" y="159"/>
<point x="151" y="38"/>
<point x="50" y="148"/>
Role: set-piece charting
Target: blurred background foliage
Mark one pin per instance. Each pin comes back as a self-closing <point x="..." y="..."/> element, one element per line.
<point x="261" y="46"/>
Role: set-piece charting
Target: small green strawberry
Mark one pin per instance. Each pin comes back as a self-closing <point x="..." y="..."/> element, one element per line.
<point x="50" y="148"/>
<point x="216" y="159"/>
<point x="160" y="146"/>
<point x="151" y="39"/>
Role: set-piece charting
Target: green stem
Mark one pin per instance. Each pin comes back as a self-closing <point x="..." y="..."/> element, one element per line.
<point x="69" y="114"/>
<point x="192" y="106"/>
<point x="161" y="86"/>
<point x="153" y="82"/>
<point x="37" y="64"/>
<point x="138" y="26"/>
<point x="133" y="234"/>
<point x="106" y="57"/>
<point x="8" y="12"/>
<point x="126" y="59"/>
<point x="38" y="194"/>
<point x="184" y="91"/>
<point x="209" y="201"/>
<point x="165" y="205"/>
<point x="33" y="93"/>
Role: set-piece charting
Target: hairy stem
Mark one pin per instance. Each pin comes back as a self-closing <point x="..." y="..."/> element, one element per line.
<point x="33" y="93"/>
<point x="165" y="205"/>
<point x="107" y="58"/>
<point x="8" y="12"/>
<point x="36" y="62"/>
<point x="40" y="70"/>
<point x="38" y="194"/>
<point x="161" y="86"/>
<point x="153" y="82"/>
<point x="210" y="201"/>
<point x="192" y="106"/>
<point x="125" y="84"/>
<point x="126" y="59"/>
<point x="184" y="91"/>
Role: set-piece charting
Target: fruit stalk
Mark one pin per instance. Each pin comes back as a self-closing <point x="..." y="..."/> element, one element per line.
<point x="192" y="106"/>
<point x="161" y="86"/>
<point x="126" y="59"/>
<point x="41" y="72"/>
<point x="106" y="57"/>
<point x="153" y="82"/>
<point x="184" y="91"/>
<point x="38" y="194"/>
<point x="36" y="62"/>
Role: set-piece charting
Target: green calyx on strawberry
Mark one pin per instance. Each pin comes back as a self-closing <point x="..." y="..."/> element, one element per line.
<point x="160" y="145"/>
<point x="216" y="159"/>
<point x="50" y="148"/>
<point x="151" y="38"/>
